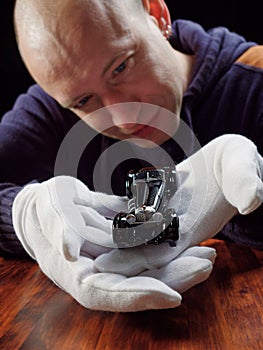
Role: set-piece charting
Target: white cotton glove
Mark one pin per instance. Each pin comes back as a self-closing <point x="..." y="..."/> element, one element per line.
<point x="115" y="292"/>
<point x="51" y="229"/>
<point x="214" y="184"/>
<point x="67" y="213"/>
<point x="95" y="290"/>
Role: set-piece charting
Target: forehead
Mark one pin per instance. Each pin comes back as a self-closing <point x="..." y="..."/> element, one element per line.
<point x="98" y="31"/>
<point x="99" y="25"/>
<point x="43" y="24"/>
<point x="80" y="30"/>
<point x="94" y="29"/>
<point x="88" y="47"/>
<point x="94" y="15"/>
<point x="91" y="25"/>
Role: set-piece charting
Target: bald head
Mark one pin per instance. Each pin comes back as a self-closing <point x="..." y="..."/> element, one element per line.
<point x="48" y="32"/>
<point x="38" y="22"/>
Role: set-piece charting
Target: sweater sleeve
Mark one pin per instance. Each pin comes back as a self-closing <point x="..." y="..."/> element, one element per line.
<point x="9" y="243"/>
<point x="30" y="136"/>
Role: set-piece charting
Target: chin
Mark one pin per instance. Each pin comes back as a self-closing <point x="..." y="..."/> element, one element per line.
<point x="149" y="143"/>
<point x="143" y="143"/>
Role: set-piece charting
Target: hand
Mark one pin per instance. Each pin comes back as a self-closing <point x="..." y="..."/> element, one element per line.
<point x="115" y="292"/>
<point x="67" y="213"/>
<point x="43" y="221"/>
<point x="220" y="180"/>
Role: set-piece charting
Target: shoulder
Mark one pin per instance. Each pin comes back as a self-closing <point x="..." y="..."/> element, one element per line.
<point x="253" y="57"/>
<point x="36" y="106"/>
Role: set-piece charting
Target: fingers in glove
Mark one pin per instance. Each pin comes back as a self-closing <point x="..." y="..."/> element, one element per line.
<point x="99" y="291"/>
<point x="182" y="273"/>
<point x="132" y="261"/>
<point x="200" y="252"/>
<point x="105" y="204"/>
<point x="93" y="250"/>
<point x="98" y="229"/>
<point x="74" y="243"/>
<point x="71" y="244"/>
<point x="93" y="218"/>
<point x="240" y="172"/>
<point x="111" y="292"/>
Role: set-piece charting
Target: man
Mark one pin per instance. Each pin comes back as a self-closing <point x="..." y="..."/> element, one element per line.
<point x="110" y="63"/>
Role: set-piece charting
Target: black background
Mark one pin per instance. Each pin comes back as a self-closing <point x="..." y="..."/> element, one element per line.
<point x="243" y="18"/>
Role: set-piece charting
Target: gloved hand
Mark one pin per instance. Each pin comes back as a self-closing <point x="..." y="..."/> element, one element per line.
<point x="100" y="291"/>
<point x="214" y="184"/>
<point x="67" y="213"/>
<point x="39" y="214"/>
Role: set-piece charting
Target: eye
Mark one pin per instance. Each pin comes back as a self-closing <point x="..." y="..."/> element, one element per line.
<point x="120" y="68"/>
<point x="82" y="102"/>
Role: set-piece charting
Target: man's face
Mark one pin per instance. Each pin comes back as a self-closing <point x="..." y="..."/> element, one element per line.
<point x="122" y="59"/>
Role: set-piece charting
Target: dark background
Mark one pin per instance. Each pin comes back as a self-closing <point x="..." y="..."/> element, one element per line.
<point x="243" y="18"/>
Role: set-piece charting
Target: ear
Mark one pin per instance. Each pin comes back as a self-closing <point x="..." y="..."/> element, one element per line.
<point x="159" y="11"/>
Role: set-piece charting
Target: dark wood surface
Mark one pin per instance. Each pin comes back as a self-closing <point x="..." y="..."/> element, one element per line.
<point x="225" y="312"/>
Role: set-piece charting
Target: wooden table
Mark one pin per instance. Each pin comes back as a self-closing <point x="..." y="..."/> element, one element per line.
<point x="225" y="312"/>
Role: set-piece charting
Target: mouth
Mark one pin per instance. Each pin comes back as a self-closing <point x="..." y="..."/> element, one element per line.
<point x="143" y="131"/>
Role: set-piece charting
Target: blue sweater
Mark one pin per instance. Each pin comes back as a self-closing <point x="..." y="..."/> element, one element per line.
<point x="224" y="96"/>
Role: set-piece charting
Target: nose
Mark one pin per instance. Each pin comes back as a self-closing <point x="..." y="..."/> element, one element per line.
<point x="125" y="115"/>
<point x="124" y="110"/>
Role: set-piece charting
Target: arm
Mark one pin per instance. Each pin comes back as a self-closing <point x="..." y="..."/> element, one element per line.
<point x="30" y="135"/>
